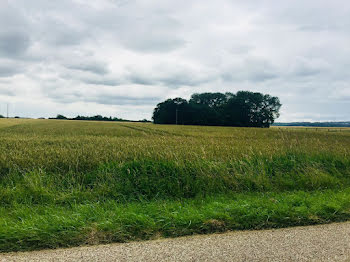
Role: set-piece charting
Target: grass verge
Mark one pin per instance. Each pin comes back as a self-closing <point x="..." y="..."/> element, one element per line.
<point x="24" y="227"/>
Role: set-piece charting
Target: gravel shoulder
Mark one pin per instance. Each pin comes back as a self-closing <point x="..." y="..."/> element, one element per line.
<point x="329" y="242"/>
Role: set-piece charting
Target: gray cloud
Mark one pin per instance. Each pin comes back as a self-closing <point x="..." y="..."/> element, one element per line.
<point x="174" y="80"/>
<point x="6" y="91"/>
<point x="93" y="67"/>
<point x="103" y="95"/>
<point x="251" y="69"/>
<point x="143" y="30"/>
<point x="123" y="100"/>
<point x="6" y="71"/>
<point x="9" y="68"/>
<point x="65" y="36"/>
<point x="171" y="75"/>
<point x="103" y="82"/>
<point x="13" y="43"/>
<point x="151" y="34"/>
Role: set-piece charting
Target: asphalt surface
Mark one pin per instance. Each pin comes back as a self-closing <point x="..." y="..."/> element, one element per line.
<point x="313" y="243"/>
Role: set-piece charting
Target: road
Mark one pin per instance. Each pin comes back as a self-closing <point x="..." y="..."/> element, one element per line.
<point x="312" y="243"/>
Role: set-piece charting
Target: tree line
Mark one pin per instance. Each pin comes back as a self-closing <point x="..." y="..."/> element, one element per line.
<point x="245" y="109"/>
<point x="95" y="118"/>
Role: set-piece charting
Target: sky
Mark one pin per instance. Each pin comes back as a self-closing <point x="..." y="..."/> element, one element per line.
<point x="122" y="57"/>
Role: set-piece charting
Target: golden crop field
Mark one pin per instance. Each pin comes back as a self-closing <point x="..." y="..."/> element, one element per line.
<point x="77" y="145"/>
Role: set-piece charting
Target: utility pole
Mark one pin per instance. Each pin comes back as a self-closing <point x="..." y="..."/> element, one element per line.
<point x="176" y="115"/>
<point x="7" y="110"/>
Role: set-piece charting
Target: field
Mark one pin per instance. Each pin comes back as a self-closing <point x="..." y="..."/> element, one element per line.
<point x="67" y="183"/>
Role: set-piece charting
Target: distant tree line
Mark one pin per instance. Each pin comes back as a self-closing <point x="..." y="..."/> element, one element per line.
<point x="316" y="124"/>
<point x="245" y="109"/>
<point x="1" y="116"/>
<point x="95" y="118"/>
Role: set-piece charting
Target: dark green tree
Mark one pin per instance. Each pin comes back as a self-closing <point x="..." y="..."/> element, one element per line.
<point x="61" y="117"/>
<point x="171" y="111"/>
<point x="241" y="109"/>
<point x="254" y="109"/>
<point x="212" y="100"/>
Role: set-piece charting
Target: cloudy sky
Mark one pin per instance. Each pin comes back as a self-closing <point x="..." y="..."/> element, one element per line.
<point x="122" y="57"/>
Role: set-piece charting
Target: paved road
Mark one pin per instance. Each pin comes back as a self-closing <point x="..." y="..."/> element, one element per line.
<point x="314" y="243"/>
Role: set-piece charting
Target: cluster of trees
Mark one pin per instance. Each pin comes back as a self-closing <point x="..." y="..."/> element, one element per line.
<point x="95" y="118"/>
<point x="246" y="109"/>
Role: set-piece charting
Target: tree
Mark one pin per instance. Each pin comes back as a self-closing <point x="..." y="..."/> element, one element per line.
<point x="170" y="111"/>
<point x="61" y="117"/>
<point x="241" y="109"/>
<point x="257" y="110"/>
<point x="210" y="99"/>
<point x="1" y="116"/>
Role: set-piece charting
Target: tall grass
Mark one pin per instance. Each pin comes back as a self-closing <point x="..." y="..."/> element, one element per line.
<point x="151" y="180"/>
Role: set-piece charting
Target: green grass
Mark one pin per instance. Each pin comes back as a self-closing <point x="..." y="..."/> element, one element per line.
<point x="153" y="180"/>
<point x="67" y="183"/>
<point x="24" y="227"/>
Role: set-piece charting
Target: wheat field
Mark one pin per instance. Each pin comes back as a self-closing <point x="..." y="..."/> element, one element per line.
<point x="66" y="183"/>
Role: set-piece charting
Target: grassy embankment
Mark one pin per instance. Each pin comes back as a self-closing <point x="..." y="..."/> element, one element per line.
<point x="66" y="183"/>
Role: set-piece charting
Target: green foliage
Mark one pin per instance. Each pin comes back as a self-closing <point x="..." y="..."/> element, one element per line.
<point x="241" y="109"/>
